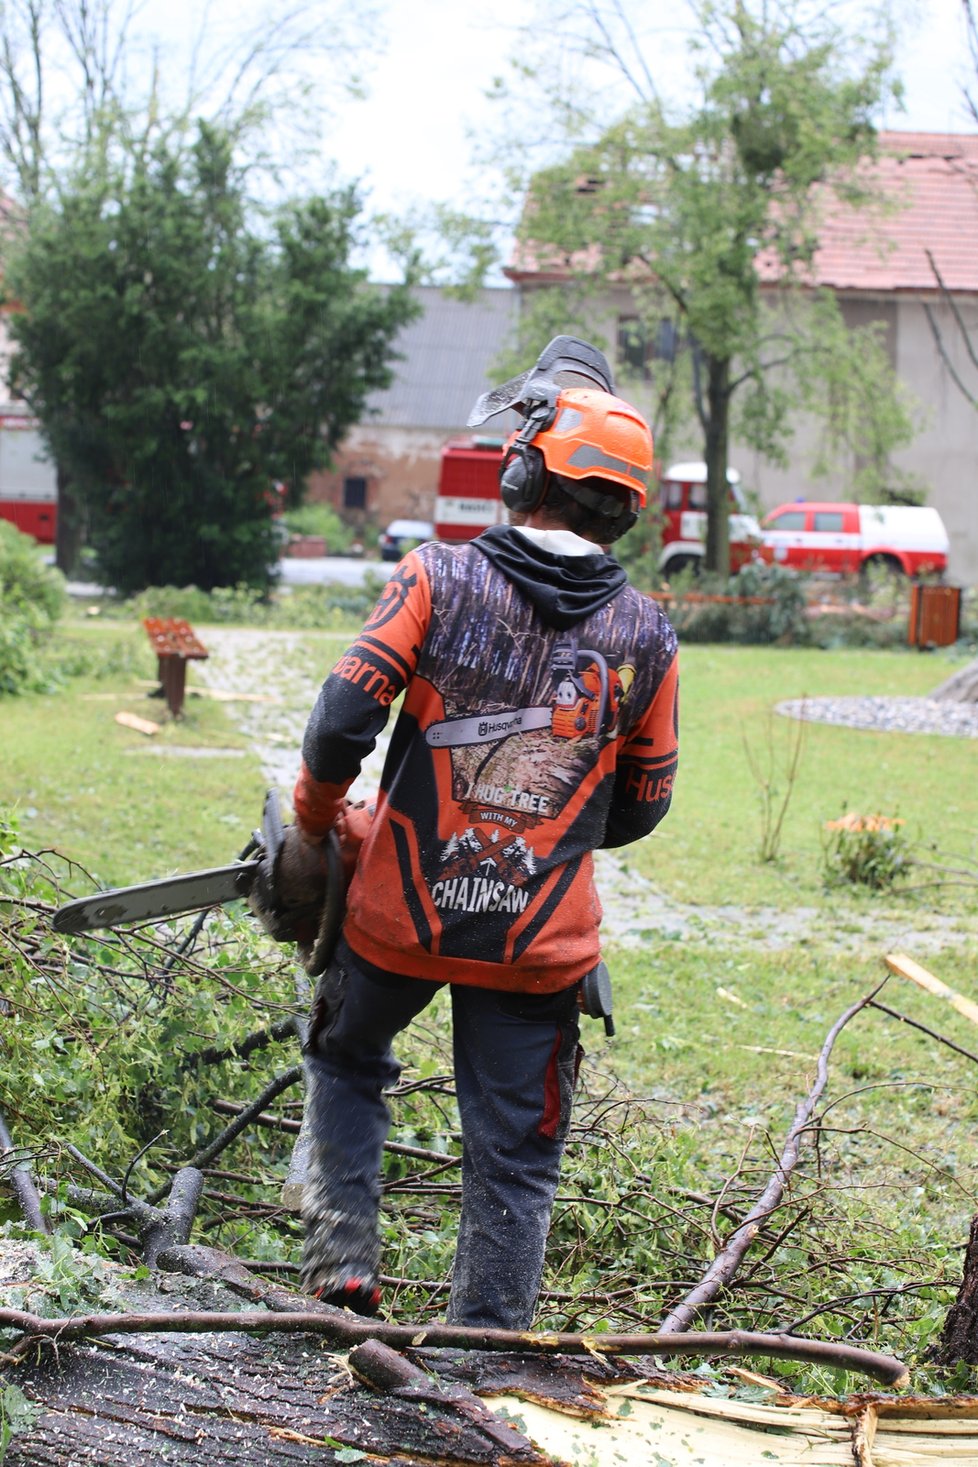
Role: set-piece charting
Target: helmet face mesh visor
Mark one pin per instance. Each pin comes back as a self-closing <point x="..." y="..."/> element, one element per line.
<point x="566" y="362"/>
<point x="596" y="435"/>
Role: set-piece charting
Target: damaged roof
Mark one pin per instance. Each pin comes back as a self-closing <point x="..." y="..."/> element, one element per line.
<point x="931" y="183"/>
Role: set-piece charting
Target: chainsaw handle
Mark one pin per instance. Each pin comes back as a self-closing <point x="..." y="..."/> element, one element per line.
<point x="272" y="829"/>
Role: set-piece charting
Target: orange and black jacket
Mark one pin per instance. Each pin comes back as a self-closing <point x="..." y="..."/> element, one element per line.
<point x="539" y="723"/>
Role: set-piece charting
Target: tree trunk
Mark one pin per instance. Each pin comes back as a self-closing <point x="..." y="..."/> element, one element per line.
<point x="959" y="1337"/>
<point x="259" y="1400"/>
<point x="237" y="1401"/>
<point x="962" y="687"/>
<point x="717" y="557"/>
<point x="70" y="533"/>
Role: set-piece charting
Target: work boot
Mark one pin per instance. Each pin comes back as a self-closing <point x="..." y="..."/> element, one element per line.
<point x="332" y="1240"/>
<point x="346" y="1288"/>
<point x="361" y="1295"/>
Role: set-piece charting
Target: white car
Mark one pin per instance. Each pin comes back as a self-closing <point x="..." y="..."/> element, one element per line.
<point x="402" y="536"/>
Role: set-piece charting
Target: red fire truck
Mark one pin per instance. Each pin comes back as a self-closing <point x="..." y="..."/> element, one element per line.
<point x="28" y="484"/>
<point x="682" y="500"/>
<point x="468" y="488"/>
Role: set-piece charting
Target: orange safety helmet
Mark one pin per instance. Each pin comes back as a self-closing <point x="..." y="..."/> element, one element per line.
<point x="579" y="433"/>
<point x="596" y="435"/>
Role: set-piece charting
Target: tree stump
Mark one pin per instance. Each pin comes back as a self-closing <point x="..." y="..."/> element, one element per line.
<point x="959" y="1337"/>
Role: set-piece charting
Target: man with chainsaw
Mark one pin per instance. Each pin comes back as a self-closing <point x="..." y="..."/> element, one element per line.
<point x="539" y="723"/>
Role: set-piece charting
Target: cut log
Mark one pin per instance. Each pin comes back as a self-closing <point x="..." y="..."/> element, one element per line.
<point x="233" y="1401"/>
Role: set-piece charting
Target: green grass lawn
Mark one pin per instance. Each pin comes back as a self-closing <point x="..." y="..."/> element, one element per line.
<point x="684" y="1111"/>
<point x="125" y="807"/>
<point x="707" y="848"/>
<point x="83" y="783"/>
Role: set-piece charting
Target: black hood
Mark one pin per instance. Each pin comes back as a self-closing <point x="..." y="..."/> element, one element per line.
<point x="564" y="589"/>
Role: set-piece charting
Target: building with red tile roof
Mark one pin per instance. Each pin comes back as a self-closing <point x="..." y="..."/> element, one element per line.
<point x="913" y="268"/>
<point x="931" y="182"/>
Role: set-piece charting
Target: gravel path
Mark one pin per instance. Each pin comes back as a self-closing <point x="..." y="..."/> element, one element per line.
<point x="277" y="665"/>
<point x="889" y="715"/>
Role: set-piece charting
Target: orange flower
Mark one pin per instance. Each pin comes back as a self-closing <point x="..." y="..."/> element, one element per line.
<point x="854" y="822"/>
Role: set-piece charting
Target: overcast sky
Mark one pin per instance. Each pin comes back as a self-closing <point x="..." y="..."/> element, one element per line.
<point x="408" y="141"/>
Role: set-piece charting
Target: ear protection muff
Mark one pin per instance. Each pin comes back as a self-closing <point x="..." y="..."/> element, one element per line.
<point x="523" y="473"/>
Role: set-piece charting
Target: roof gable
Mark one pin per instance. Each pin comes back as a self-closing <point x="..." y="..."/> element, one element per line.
<point x="447" y="358"/>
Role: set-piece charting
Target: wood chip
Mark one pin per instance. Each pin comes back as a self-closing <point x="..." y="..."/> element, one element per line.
<point x="750" y="1377"/>
<point x="905" y="967"/>
<point x="141" y="725"/>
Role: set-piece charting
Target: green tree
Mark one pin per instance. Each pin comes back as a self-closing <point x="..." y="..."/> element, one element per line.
<point x="182" y="362"/>
<point x="100" y="79"/>
<point x="700" y="217"/>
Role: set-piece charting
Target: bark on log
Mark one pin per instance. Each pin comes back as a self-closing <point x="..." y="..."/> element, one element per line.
<point x="959" y="1337"/>
<point x="236" y="1402"/>
<point x="384" y="1369"/>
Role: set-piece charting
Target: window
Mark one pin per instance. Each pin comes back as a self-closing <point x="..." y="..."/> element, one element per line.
<point x="354" y="492"/>
<point x="640" y="344"/>
<point x="792" y="519"/>
<point x="829" y="521"/>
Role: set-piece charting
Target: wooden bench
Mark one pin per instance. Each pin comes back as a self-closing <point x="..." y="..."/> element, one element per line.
<point x="175" y="643"/>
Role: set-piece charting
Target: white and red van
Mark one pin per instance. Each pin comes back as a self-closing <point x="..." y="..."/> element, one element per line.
<point x="841" y="539"/>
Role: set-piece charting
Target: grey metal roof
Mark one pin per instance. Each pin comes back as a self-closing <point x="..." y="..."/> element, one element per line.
<point x="447" y="361"/>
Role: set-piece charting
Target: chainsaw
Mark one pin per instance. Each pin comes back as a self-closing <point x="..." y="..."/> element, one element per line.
<point x="254" y="880"/>
<point x="314" y="930"/>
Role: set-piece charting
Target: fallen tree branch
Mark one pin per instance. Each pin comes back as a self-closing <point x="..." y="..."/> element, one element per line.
<point x="178" y="1219"/>
<point x="931" y="1033"/>
<point x="103" y="1205"/>
<point x="293" y="1128"/>
<point x="230" y="1133"/>
<point x="21" y="1182"/>
<point x="726" y="1263"/>
<point x="90" y="1166"/>
<point x="277" y="1033"/>
<point x="344" y="1329"/>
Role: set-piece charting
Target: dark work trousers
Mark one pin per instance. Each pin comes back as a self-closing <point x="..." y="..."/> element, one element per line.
<point x="516" y="1059"/>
